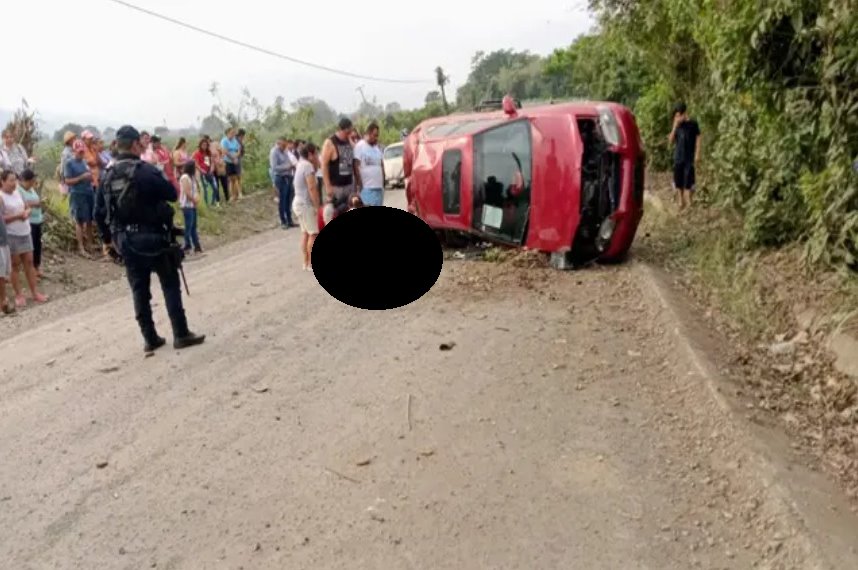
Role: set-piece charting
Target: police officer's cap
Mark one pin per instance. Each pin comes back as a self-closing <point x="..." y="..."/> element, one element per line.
<point x="127" y="133"/>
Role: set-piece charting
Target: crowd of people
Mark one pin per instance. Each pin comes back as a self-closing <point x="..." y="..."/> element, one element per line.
<point x="211" y="173"/>
<point x="311" y="184"/>
<point x="21" y="221"/>
<point x="346" y="173"/>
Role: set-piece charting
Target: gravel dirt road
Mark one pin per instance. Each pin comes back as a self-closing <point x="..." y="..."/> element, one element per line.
<point x="559" y="431"/>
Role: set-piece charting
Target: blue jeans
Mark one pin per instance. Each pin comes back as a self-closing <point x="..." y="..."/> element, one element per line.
<point x="210" y="185"/>
<point x="372" y="196"/>
<point x="286" y="192"/>
<point x="192" y="237"/>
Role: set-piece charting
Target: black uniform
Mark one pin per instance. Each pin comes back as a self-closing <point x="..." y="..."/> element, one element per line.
<point x="132" y="213"/>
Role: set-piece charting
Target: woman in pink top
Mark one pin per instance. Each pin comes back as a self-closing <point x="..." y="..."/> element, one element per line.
<point x="180" y="155"/>
<point x="164" y="161"/>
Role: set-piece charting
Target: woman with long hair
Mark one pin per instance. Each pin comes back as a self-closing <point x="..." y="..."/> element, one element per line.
<point x="189" y="199"/>
<point x="306" y="203"/>
<point x="205" y="167"/>
<point x="27" y="188"/>
<point x="220" y="170"/>
<point x="16" y="214"/>
<point x="180" y="155"/>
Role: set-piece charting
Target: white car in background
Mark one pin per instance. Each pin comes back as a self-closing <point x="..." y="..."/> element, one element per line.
<point x="393" y="165"/>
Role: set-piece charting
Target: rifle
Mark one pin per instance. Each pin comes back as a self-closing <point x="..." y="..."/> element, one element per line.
<point x="185" y="281"/>
<point x="177" y="255"/>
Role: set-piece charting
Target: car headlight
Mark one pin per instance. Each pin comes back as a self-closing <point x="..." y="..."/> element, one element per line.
<point x="609" y="126"/>
<point x="606" y="232"/>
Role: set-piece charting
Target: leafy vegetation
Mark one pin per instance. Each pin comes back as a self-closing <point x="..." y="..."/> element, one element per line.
<point x="775" y="88"/>
<point x="503" y="72"/>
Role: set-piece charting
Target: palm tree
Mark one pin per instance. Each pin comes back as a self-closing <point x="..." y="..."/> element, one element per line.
<point x="442" y="80"/>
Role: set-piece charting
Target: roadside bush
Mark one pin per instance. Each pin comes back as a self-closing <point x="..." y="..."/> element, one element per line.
<point x="652" y="112"/>
<point x="59" y="230"/>
<point x="775" y="88"/>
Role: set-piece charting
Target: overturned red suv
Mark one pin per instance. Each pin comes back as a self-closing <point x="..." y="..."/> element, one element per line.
<point x="567" y="179"/>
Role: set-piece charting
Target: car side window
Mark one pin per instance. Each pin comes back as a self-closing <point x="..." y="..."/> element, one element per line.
<point x="451" y="181"/>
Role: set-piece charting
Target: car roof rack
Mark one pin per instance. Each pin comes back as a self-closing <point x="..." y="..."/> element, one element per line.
<point x="494" y="105"/>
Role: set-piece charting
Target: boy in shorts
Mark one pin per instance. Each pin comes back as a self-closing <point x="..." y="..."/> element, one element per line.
<point x="686" y="138"/>
<point x="79" y="178"/>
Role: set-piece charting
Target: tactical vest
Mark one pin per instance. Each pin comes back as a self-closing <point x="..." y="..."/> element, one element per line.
<point x="122" y="200"/>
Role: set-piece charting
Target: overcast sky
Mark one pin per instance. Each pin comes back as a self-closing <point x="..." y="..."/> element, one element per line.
<point x="96" y="61"/>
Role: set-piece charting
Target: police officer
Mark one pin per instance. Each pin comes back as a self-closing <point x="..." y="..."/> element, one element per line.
<point x="134" y="218"/>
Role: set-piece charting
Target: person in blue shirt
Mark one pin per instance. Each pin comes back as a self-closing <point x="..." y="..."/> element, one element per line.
<point x="78" y="177"/>
<point x="232" y="157"/>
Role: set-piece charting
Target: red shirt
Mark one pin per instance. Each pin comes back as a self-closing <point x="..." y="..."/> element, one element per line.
<point x="204" y="162"/>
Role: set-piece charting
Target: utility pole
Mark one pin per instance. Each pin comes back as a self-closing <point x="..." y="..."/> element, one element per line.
<point x="362" y="96"/>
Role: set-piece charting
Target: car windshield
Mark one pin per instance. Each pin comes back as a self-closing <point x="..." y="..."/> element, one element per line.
<point x="393" y="151"/>
<point x="502" y="177"/>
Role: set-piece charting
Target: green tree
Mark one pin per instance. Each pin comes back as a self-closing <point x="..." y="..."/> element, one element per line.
<point x="432" y="97"/>
<point x="506" y="72"/>
<point x="323" y="114"/>
<point x="212" y="125"/>
<point x="73" y="127"/>
<point x="93" y="129"/>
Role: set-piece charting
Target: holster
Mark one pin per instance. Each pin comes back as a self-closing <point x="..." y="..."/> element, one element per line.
<point x="175" y="254"/>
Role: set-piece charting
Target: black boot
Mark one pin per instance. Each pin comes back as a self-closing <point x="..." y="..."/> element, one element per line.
<point x="188" y="340"/>
<point x="153" y="343"/>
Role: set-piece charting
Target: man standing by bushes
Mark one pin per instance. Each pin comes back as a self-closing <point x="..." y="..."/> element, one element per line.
<point x="282" y="165"/>
<point x="686" y="138"/>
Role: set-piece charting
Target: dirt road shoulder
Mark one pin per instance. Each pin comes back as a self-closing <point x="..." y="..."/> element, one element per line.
<point x="816" y="512"/>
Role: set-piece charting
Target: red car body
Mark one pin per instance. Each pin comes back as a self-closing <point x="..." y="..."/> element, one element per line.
<point x="565" y="178"/>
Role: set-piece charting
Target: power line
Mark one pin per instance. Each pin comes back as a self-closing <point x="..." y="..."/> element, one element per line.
<point x="263" y="50"/>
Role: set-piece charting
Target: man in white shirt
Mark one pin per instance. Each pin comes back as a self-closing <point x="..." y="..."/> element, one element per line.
<point x="368" y="158"/>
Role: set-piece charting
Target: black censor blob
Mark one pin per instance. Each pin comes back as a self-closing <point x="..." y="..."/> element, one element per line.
<point x="377" y="258"/>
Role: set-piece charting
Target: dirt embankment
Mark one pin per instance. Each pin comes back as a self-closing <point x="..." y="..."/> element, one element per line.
<point x="782" y="321"/>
